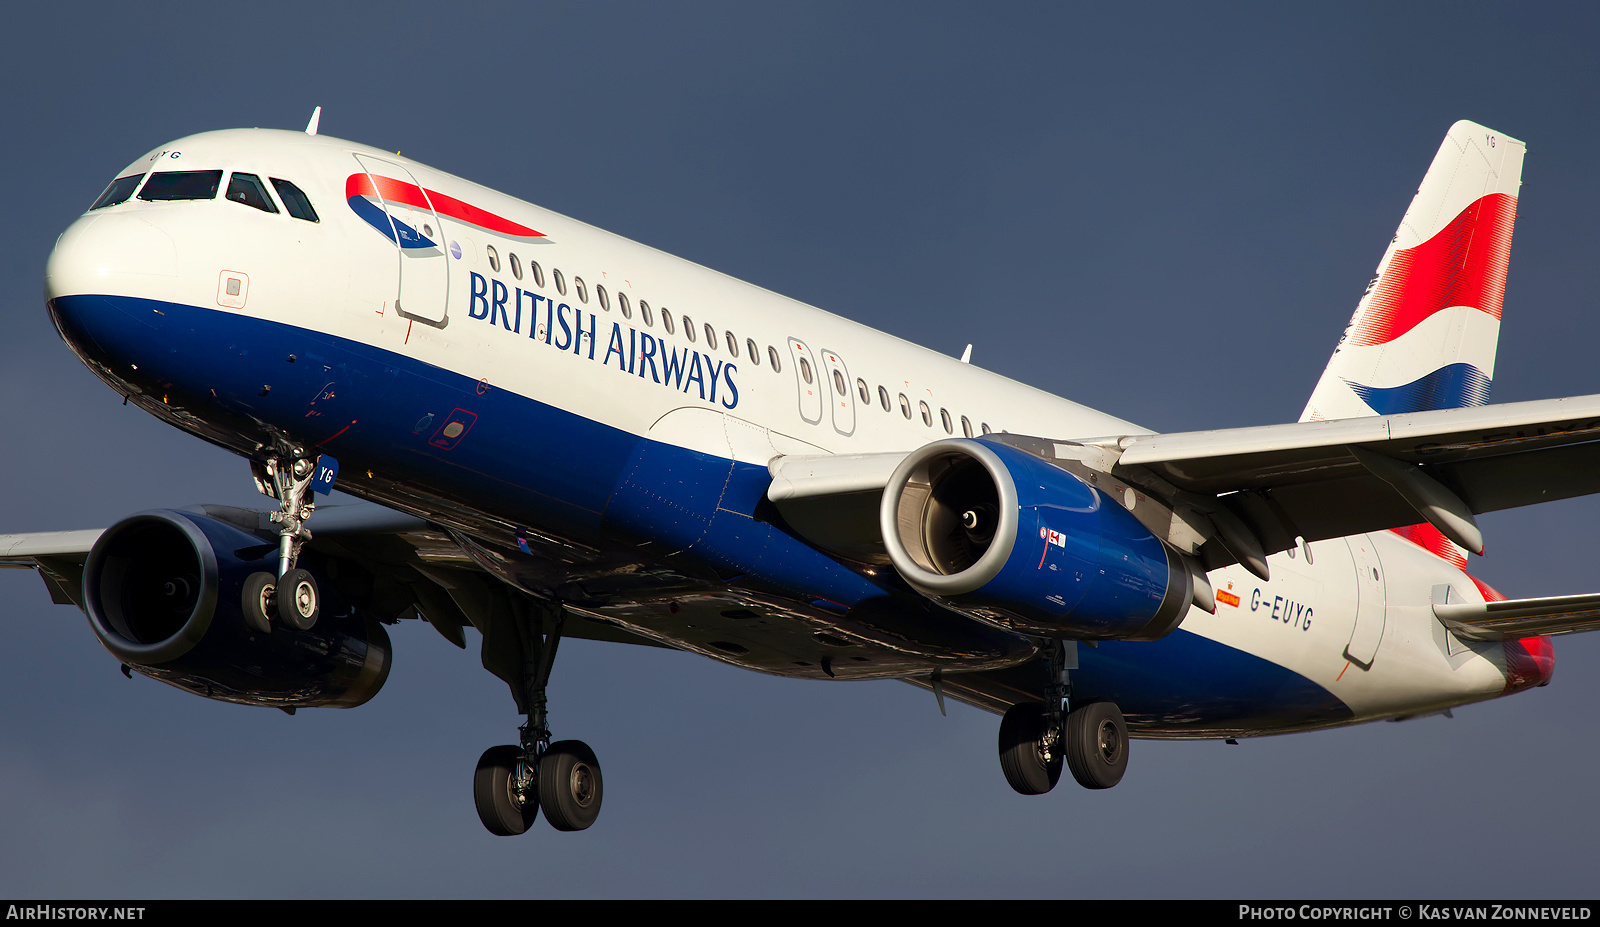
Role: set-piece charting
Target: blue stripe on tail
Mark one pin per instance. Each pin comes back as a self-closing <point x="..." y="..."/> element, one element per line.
<point x="1452" y="387"/>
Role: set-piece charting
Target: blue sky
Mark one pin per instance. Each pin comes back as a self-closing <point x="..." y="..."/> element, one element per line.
<point x="1166" y="212"/>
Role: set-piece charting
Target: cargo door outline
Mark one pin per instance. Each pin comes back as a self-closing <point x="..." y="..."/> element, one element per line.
<point x="810" y="393"/>
<point x="843" y="401"/>
<point x="422" y="271"/>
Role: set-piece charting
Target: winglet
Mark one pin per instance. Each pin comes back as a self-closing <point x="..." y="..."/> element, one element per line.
<point x="316" y="116"/>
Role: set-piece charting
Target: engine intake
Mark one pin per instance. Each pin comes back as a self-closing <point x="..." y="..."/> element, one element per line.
<point x="1011" y="540"/>
<point x="163" y="589"/>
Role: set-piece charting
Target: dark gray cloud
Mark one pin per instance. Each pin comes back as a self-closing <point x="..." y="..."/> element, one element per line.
<point x="1167" y="213"/>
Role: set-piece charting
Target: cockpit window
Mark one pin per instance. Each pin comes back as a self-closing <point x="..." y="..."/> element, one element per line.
<point x="296" y="202"/>
<point x="181" y="185"/>
<point x="118" y="192"/>
<point x="248" y="189"/>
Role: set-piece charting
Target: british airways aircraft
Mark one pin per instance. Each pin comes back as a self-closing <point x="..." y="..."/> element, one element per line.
<point x="559" y="433"/>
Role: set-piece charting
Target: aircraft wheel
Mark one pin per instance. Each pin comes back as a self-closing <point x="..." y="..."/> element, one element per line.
<point x="493" y="791"/>
<point x="1029" y="768"/>
<point x="570" y="787"/>
<point x="1097" y="745"/>
<point x="299" y="602"/>
<point x="259" y="601"/>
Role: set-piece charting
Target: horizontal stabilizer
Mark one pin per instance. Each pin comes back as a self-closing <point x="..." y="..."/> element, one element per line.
<point x="1512" y="619"/>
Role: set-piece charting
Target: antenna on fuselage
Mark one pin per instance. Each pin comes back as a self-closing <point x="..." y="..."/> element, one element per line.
<point x="316" y="116"/>
<point x="966" y="356"/>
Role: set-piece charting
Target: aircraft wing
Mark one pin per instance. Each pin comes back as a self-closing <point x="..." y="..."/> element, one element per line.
<point x="1239" y="494"/>
<point x="1331" y="479"/>
<point x="446" y="586"/>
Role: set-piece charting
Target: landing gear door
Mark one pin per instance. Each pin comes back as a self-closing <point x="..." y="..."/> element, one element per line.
<point x="1371" y="602"/>
<point x="843" y="401"/>
<point x="423" y="281"/>
<point x="808" y="380"/>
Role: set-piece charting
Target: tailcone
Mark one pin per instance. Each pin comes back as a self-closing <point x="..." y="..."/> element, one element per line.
<point x="1530" y="663"/>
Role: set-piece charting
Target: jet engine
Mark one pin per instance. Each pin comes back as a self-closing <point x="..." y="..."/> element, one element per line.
<point x="163" y="591"/>
<point x="1009" y="539"/>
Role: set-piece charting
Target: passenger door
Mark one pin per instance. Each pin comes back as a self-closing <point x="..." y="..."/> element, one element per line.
<point x="1370" y="602"/>
<point x="423" y="275"/>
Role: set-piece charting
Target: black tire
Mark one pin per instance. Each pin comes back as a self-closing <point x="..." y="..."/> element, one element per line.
<point x="1097" y="745"/>
<point x="1022" y="757"/>
<point x="498" y="808"/>
<point x="299" y="601"/>
<point x="259" y="601"/>
<point x="570" y="787"/>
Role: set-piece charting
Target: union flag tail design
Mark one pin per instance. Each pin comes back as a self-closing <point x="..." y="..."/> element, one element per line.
<point x="1424" y="334"/>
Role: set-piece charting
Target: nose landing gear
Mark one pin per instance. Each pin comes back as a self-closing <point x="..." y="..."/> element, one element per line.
<point x="291" y="597"/>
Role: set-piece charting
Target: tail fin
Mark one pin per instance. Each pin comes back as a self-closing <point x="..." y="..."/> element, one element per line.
<point x="1424" y="334"/>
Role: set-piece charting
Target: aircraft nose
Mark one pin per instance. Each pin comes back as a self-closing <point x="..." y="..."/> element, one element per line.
<point x="106" y="254"/>
<point x="1530" y="662"/>
<point x="102" y="274"/>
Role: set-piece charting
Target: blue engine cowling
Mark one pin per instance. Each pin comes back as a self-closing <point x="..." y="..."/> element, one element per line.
<point x="1009" y="539"/>
<point x="163" y="592"/>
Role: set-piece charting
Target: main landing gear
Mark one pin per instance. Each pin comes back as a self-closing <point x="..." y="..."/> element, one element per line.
<point x="1036" y="737"/>
<point x="291" y="597"/>
<point x="513" y="782"/>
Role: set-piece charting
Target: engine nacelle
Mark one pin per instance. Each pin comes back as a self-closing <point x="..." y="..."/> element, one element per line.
<point x="163" y="592"/>
<point x="1005" y="537"/>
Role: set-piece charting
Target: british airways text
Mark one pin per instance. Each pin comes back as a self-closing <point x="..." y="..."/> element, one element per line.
<point x="634" y="352"/>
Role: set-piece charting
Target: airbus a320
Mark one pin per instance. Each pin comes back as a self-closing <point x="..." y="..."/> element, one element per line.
<point x="557" y="432"/>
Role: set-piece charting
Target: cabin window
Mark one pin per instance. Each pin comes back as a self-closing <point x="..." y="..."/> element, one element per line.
<point x="927" y="416"/>
<point x="605" y="300"/>
<point x="711" y="336"/>
<point x="516" y="265"/>
<point x="622" y="303"/>
<point x="944" y="419"/>
<point x="688" y="328"/>
<point x="561" y="282"/>
<point x="118" y="192"/>
<point x="905" y="406"/>
<point x="772" y="355"/>
<point x="181" y="185"/>
<point x="644" y="313"/>
<point x="494" y="258"/>
<point x="754" y="352"/>
<point x="839" y="387"/>
<point x="883" y="398"/>
<point x="537" y="272"/>
<point x="580" y="289"/>
<point x="666" y="321"/>
<point x="294" y="200"/>
<point x="805" y="370"/>
<point x="733" y="343"/>
<point x="249" y="190"/>
<point x="966" y="426"/>
<point x="861" y="388"/>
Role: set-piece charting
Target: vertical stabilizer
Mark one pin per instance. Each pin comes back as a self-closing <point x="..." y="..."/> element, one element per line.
<point x="1424" y="334"/>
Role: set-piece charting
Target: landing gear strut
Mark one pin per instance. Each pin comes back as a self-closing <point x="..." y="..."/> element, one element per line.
<point x="291" y="597"/>
<point x="1036" y="737"/>
<point x="513" y="782"/>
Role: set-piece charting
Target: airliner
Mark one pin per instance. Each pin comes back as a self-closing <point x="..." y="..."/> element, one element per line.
<point x="554" y="432"/>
